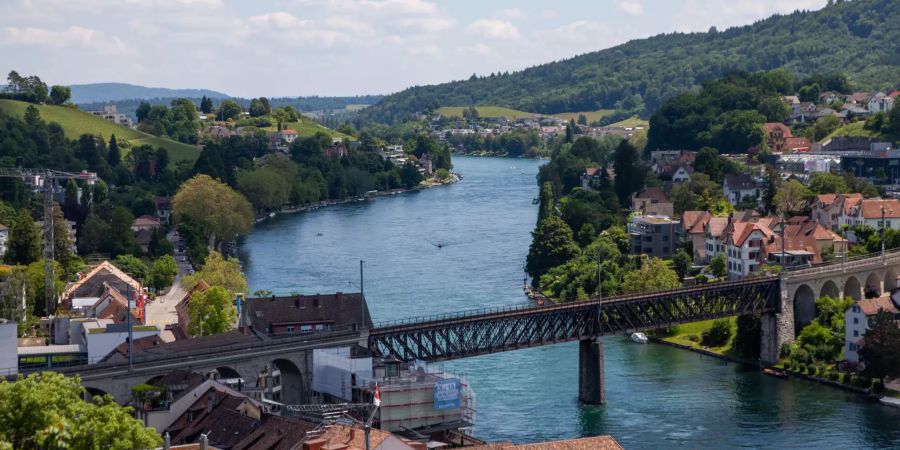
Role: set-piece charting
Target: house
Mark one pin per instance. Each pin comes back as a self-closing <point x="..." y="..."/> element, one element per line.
<point x="145" y="222"/>
<point x="744" y="247"/>
<point x="871" y="212"/>
<point x="856" y="321"/>
<point x="791" y="100"/>
<point x="880" y="102"/>
<point x="715" y="242"/>
<point x="828" y="209"/>
<point x="805" y="242"/>
<point x="95" y="283"/>
<point x="829" y="96"/>
<point x="738" y="187"/>
<point x="674" y="172"/>
<point x="110" y="113"/>
<point x="858" y="98"/>
<point x="655" y="236"/>
<point x="4" y="236"/>
<point x="775" y="135"/>
<point x="693" y="227"/>
<point x="288" y="136"/>
<point x="797" y="145"/>
<point x="301" y="314"/>
<point x="103" y="338"/>
<point x="652" y="201"/>
<point x="594" y="177"/>
<point x="219" y="131"/>
<point x="114" y="305"/>
<point x="163" y="209"/>
<point x="851" y="111"/>
<point x="425" y="164"/>
<point x="143" y="239"/>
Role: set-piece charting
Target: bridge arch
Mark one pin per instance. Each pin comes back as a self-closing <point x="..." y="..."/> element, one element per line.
<point x="90" y="392"/>
<point x="873" y="287"/>
<point x="829" y="289"/>
<point x="804" y="307"/>
<point x="224" y="373"/>
<point x="852" y="288"/>
<point x="293" y="388"/>
<point x="890" y="279"/>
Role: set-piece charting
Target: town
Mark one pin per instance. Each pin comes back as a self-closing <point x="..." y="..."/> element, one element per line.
<point x="397" y="226"/>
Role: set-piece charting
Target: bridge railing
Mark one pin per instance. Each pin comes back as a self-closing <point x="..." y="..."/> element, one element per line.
<point x="527" y="308"/>
<point x="848" y="263"/>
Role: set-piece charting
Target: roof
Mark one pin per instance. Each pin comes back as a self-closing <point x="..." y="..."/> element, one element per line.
<point x="586" y="443"/>
<point x="743" y="230"/>
<point x="872" y="208"/>
<point x="221" y="421"/>
<point x="772" y="126"/>
<point x="354" y="436"/>
<point x="116" y="307"/>
<point x="197" y="344"/>
<point x="694" y="221"/>
<point x="277" y="433"/>
<point x="871" y="306"/>
<point x="146" y="219"/>
<point x="741" y="182"/>
<point x="655" y="194"/>
<point x="716" y="226"/>
<point x="288" y="131"/>
<point x="826" y="199"/>
<point x="591" y="171"/>
<point x="343" y="310"/>
<point x="92" y="283"/>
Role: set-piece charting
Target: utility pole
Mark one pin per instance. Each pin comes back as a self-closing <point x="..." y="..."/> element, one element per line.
<point x="362" y="297"/>
<point x="130" y="328"/>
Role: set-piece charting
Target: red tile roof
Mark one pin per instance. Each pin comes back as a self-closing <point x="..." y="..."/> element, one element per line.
<point x="587" y="443"/>
<point x="871" y="306"/>
<point x="655" y="194"/>
<point x="871" y="208"/>
<point x="716" y="226"/>
<point x="772" y="126"/>
<point x="743" y="230"/>
<point x="695" y="221"/>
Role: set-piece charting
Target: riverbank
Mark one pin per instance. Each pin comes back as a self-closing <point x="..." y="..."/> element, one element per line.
<point x="490" y="154"/>
<point x="427" y="184"/>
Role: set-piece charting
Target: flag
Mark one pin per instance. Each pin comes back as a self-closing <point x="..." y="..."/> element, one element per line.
<point x="377" y="400"/>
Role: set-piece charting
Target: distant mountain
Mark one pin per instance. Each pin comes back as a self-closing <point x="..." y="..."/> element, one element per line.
<point x="860" y="38"/>
<point x="110" y="92"/>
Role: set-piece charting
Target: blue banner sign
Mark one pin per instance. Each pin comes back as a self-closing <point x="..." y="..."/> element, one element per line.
<point x="447" y="394"/>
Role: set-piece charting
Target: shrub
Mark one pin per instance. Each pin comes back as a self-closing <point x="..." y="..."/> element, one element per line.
<point x="833" y="376"/>
<point x="718" y="334"/>
<point x="878" y="386"/>
<point x="787" y="365"/>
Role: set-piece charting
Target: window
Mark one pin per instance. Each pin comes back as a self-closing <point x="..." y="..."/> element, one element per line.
<point x="855" y="333"/>
<point x="290" y="329"/>
<point x="305" y="328"/>
<point x="666" y="238"/>
<point x="852" y="347"/>
<point x="856" y="308"/>
<point x="665" y="249"/>
<point x="856" y="320"/>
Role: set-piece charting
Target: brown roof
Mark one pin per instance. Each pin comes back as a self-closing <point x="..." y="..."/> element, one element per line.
<point x="587" y="443"/>
<point x="147" y="220"/>
<point x="92" y="283"/>
<point x="826" y="199"/>
<point x="795" y="143"/>
<point x="220" y="420"/>
<point x="116" y="307"/>
<point x="342" y="310"/>
<point x="277" y="433"/>
<point x="772" y="126"/>
<point x="871" y="208"/>
<point x="694" y="221"/>
<point x="716" y="226"/>
<point x="871" y="306"/>
<point x="591" y="171"/>
<point x="354" y="436"/>
<point x="742" y="230"/>
<point x="655" y="194"/>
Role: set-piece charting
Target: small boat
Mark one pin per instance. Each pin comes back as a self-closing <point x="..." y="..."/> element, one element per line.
<point x="535" y="201"/>
<point x="639" y="337"/>
<point x="774" y="373"/>
<point x="271" y="214"/>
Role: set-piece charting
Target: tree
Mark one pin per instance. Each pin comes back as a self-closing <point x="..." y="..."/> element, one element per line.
<point x="163" y="272"/>
<point x="211" y="312"/>
<point x="142" y="111"/>
<point x="24" y="243"/>
<point x="11" y="298"/>
<point x="792" y="197"/>
<point x="718" y="334"/>
<point x="739" y="131"/>
<point x="218" y="271"/>
<point x="653" y="275"/>
<point x="120" y="239"/>
<point x="682" y="262"/>
<point x="546" y="206"/>
<point x="881" y="352"/>
<point x="133" y="266"/>
<point x="224" y="212"/>
<point x="629" y="172"/>
<point x="582" y="120"/>
<point x="229" y="109"/>
<point x="257" y="108"/>
<point x="718" y="266"/>
<point x="552" y="245"/>
<point x="409" y="175"/>
<point x="47" y="410"/>
<point x="113" y="156"/>
<point x="747" y="338"/>
<point x="60" y="94"/>
<point x="206" y="105"/>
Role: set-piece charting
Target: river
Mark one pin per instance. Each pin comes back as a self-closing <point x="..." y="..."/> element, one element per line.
<point x="658" y="397"/>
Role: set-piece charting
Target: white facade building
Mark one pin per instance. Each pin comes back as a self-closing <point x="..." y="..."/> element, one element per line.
<point x="856" y="321"/>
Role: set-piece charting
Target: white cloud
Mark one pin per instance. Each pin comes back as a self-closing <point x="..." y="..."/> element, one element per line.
<point x="493" y="29"/>
<point x="72" y="37"/>
<point x="631" y="8"/>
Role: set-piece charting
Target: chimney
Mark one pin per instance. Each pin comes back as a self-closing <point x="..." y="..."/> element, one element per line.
<point x="313" y="444"/>
<point x="273" y="297"/>
<point x="204" y="442"/>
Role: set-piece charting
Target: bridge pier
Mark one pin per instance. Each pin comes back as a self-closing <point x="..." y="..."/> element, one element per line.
<point x="776" y="330"/>
<point x="591" y="387"/>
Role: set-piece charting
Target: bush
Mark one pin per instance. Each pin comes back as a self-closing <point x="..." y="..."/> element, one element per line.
<point x="878" y="386"/>
<point x="718" y="334"/>
<point x="833" y="376"/>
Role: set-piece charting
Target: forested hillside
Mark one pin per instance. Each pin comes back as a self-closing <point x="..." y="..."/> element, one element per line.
<point x="860" y="38"/>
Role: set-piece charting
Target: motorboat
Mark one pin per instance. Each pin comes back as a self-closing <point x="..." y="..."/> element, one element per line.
<point x="639" y="337"/>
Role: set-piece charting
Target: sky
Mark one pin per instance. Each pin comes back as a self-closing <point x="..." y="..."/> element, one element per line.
<point x="280" y="48"/>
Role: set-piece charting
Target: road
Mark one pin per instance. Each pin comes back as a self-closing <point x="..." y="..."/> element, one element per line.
<point x="161" y="311"/>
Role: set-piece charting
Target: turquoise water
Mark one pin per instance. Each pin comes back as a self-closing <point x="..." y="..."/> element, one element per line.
<point x="658" y="397"/>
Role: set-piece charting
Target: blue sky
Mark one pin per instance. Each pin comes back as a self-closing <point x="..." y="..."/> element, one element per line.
<point x="331" y="47"/>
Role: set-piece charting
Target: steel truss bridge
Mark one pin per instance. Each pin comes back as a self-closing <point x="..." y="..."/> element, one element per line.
<point x="467" y="334"/>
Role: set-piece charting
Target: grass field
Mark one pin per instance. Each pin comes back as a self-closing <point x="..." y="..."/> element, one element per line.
<point x="307" y="127"/>
<point x="689" y="334"/>
<point x="485" y="111"/>
<point x="632" y="121"/>
<point x="76" y="123"/>
<point x="592" y="116"/>
<point x="858" y="129"/>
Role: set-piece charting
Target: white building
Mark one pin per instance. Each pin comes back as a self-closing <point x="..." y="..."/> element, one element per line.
<point x="737" y="187"/>
<point x="745" y="246"/>
<point x="9" y="356"/>
<point x="4" y="236"/>
<point x="714" y="229"/>
<point x="856" y="321"/>
<point x="102" y="338"/>
<point x="110" y="113"/>
<point x="870" y="212"/>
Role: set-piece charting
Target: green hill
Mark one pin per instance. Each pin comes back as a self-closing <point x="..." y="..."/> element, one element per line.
<point x="859" y="37"/>
<point x="307" y="127"/>
<point x="485" y="111"/>
<point x="77" y="122"/>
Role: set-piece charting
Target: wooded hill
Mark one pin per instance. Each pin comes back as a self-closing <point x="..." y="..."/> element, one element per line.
<point x="860" y="38"/>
